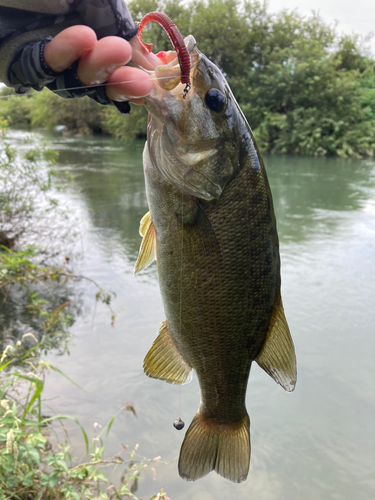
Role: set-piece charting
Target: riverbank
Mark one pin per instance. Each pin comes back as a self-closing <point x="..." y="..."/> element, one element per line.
<point x="40" y="301"/>
<point x="303" y="87"/>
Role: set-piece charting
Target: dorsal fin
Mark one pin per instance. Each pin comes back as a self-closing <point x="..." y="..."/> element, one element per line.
<point x="277" y="356"/>
<point x="147" y="250"/>
<point x="165" y="362"/>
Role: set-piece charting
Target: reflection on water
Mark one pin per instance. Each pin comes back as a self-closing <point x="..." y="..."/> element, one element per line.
<point x="318" y="442"/>
<point x="311" y="195"/>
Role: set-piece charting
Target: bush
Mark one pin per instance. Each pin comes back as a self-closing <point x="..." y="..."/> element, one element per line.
<point x="30" y="467"/>
<point x="15" y="109"/>
<point x="125" y="127"/>
<point x="79" y="116"/>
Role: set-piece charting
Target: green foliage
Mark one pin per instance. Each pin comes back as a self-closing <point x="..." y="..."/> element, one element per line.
<point x="301" y="96"/>
<point x="45" y="109"/>
<point x="218" y="28"/>
<point x="83" y="116"/>
<point x="28" y="187"/>
<point x="303" y="87"/>
<point x="49" y="319"/>
<point x="30" y="213"/>
<point x="51" y="322"/>
<point x="30" y="467"/>
<point x="16" y="111"/>
<point x="368" y="90"/>
<point x="125" y="127"/>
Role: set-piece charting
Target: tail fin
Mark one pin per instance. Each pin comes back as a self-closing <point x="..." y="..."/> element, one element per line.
<point x="210" y="445"/>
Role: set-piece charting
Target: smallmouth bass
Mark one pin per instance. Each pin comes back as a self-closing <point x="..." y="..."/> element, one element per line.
<point x="212" y="230"/>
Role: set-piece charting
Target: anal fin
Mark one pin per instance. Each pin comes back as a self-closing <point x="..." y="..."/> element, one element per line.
<point x="277" y="356"/>
<point x="147" y="251"/>
<point x="165" y="362"/>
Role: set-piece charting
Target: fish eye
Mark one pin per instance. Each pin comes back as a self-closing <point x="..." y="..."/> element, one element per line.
<point x="215" y="100"/>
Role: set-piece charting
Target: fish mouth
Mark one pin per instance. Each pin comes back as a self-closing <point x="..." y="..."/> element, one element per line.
<point x="166" y="78"/>
<point x="180" y="149"/>
<point x="166" y="102"/>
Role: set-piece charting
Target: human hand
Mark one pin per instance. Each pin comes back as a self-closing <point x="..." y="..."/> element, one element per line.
<point x="103" y="61"/>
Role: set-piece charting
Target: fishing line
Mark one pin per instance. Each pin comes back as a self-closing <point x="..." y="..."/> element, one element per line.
<point x="181" y="268"/>
<point x="181" y="272"/>
<point x="26" y="94"/>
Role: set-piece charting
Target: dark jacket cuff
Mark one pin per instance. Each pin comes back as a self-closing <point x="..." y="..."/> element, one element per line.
<point x="28" y="70"/>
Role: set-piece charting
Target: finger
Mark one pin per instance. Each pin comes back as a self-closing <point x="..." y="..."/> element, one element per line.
<point x="141" y="57"/>
<point x="108" y="54"/>
<point x="127" y="82"/>
<point x="68" y="46"/>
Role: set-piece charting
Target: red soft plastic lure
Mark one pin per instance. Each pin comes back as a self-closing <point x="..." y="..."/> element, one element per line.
<point x="176" y="39"/>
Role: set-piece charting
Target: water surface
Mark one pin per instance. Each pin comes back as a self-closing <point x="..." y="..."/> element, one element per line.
<point x="316" y="443"/>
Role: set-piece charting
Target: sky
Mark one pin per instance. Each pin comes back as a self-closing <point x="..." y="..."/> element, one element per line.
<point x="356" y="16"/>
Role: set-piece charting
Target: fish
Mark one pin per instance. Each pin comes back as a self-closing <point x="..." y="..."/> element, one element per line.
<point x="212" y="230"/>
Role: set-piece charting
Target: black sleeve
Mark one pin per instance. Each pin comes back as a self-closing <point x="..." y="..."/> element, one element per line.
<point x="28" y="69"/>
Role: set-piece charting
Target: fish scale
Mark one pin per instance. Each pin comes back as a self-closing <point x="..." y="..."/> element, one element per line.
<point x="212" y="229"/>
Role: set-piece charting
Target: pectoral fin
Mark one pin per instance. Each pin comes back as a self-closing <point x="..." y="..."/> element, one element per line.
<point x="147" y="251"/>
<point x="277" y="356"/>
<point x="165" y="362"/>
<point x="199" y="235"/>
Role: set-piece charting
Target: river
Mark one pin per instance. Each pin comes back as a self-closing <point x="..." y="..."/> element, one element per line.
<point x="315" y="443"/>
